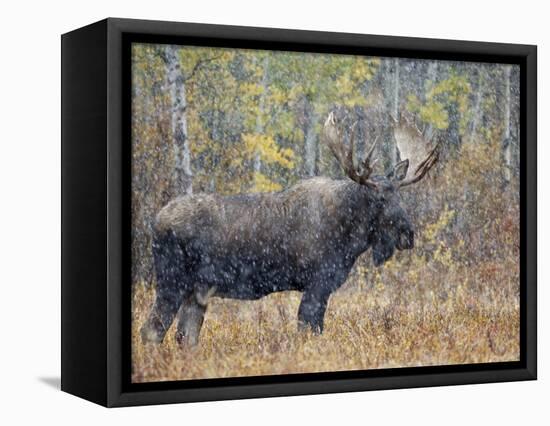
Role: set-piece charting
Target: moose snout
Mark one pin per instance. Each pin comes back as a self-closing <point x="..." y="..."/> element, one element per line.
<point x="405" y="240"/>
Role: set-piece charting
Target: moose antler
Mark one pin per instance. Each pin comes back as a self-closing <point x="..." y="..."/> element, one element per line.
<point x="334" y="141"/>
<point x="423" y="168"/>
<point x="414" y="146"/>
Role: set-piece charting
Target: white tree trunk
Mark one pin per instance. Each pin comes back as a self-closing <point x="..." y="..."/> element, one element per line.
<point x="507" y="140"/>
<point x="395" y="106"/>
<point x="396" y="89"/>
<point x="432" y="71"/>
<point x="310" y="141"/>
<point x="432" y="77"/>
<point x="183" y="176"/>
<point x="477" y="106"/>
<point x="259" y="124"/>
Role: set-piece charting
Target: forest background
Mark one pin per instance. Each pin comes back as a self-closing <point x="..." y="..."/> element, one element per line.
<point x="232" y="121"/>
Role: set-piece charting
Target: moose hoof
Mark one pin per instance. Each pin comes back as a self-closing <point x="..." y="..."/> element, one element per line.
<point x="180" y="339"/>
<point x="184" y="341"/>
<point x="150" y="334"/>
<point x="307" y="327"/>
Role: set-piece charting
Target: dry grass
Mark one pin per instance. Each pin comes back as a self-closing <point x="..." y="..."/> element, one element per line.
<point x="428" y="315"/>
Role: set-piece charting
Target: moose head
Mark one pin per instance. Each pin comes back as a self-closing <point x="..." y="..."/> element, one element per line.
<point x="389" y="226"/>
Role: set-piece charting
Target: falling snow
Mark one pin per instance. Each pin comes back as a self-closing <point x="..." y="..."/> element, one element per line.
<point x="277" y="225"/>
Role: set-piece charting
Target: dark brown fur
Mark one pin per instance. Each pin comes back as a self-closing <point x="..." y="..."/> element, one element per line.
<point x="305" y="238"/>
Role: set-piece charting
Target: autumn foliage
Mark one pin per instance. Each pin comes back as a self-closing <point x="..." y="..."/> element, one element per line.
<point x="254" y="121"/>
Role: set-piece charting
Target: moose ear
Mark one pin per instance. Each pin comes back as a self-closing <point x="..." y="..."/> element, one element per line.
<point x="399" y="171"/>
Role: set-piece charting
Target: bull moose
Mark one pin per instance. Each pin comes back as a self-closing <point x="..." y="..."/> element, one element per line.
<point x="305" y="238"/>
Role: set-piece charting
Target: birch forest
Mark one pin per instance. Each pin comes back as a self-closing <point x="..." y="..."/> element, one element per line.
<point x="230" y="121"/>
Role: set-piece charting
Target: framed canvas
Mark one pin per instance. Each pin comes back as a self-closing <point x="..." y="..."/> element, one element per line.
<point x="253" y="212"/>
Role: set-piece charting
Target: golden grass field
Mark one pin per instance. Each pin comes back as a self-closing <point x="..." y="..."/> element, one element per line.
<point x="406" y="313"/>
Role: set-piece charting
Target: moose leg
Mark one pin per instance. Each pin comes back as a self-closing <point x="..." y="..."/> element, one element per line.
<point x="172" y="287"/>
<point x="161" y="316"/>
<point x="190" y="319"/>
<point x="311" y="313"/>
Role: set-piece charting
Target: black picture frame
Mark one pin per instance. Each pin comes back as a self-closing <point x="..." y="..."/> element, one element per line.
<point x="96" y="212"/>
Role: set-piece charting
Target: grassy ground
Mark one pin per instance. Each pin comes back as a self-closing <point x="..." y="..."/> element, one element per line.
<point x="429" y="315"/>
